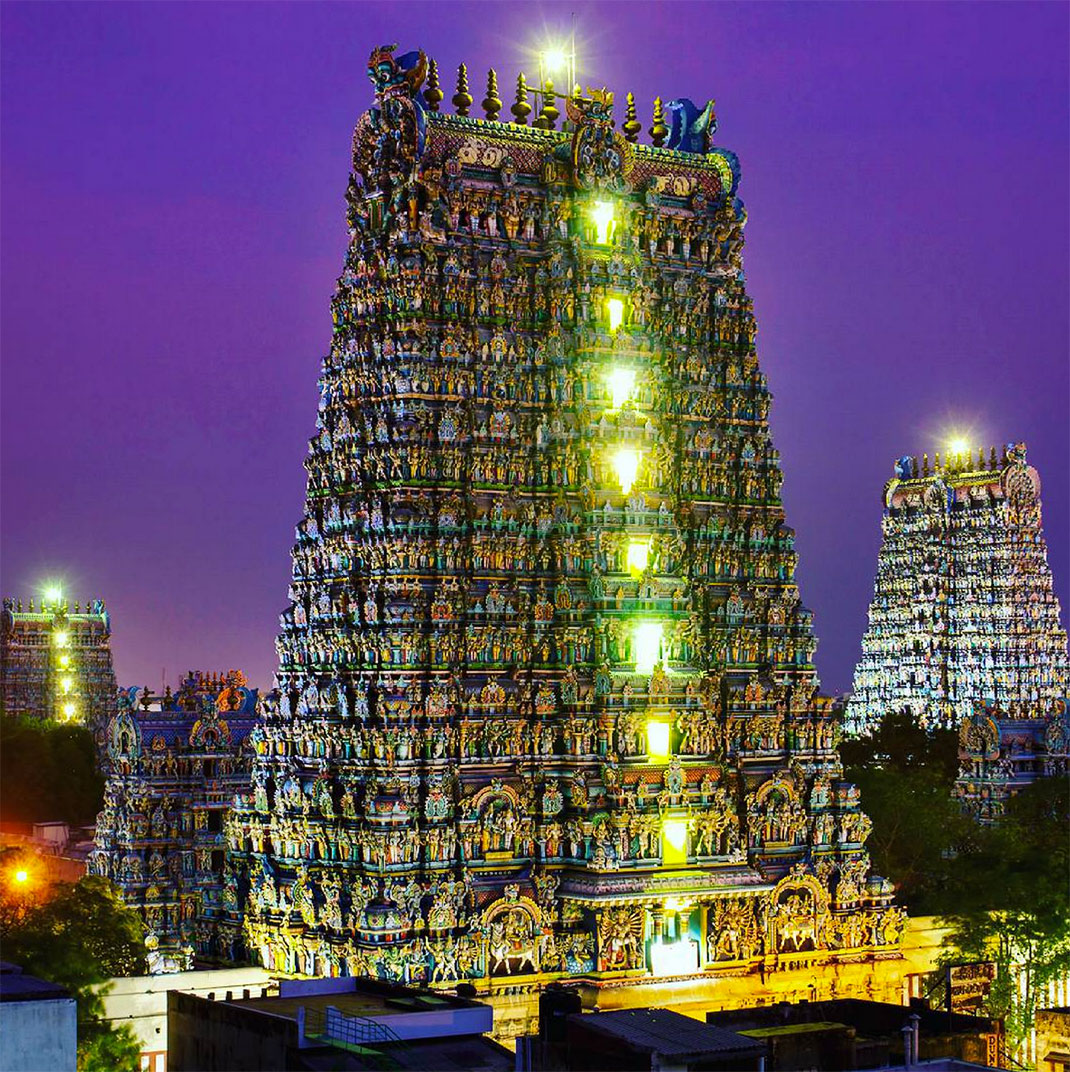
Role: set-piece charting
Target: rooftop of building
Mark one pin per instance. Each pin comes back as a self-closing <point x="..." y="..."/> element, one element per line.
<point x="668" y="1033"/>
<point x="869" y="1018"/>
<point x="16" y="985"/>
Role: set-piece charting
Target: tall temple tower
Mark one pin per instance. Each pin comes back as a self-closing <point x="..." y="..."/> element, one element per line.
<point x="546" y="701"/>
<point x="963" y="614"/>
<point x="55" y="661"/>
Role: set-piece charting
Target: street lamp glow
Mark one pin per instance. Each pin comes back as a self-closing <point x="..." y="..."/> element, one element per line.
<point x="626" y="466"/>
<point x="614" y="313"/>
<point x="602" y="214"/>
<point x="621" y="384"/>
<point x="53" y="593"/>
<point x="646" y="640"/>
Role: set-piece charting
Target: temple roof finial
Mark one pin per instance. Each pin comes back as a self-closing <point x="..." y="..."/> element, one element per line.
<point x="462" y="99"/>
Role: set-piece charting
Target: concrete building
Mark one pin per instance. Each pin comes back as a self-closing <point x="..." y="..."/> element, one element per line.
<point x="849" y="1033"/>
<point x="38" y="1024"/>
<point x="339" y="1023"/>
<point x="140" y="1002"/>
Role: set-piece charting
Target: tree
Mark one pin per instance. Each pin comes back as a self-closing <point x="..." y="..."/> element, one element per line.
<point x="48" y="771"/>
<point x="905" y="773"/>
<point x="1009" y="901"/>
<point x="79" y="938"/>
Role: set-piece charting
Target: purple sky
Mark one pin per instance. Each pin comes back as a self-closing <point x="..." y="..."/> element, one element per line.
<point x="173" y="223"/>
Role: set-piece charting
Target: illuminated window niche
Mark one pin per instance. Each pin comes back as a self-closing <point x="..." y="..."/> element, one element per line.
<point x="605" y="225"/>
<point x="637" y="557"/>
<point x="621" y="382"/>
<point x="673" y="842"/>
<point x="626" y="466"/>
<point x="68" y="710"/>
<point x="646" y="643"/>
<point x="658" y="740"/>
<point x="614" y="313"/>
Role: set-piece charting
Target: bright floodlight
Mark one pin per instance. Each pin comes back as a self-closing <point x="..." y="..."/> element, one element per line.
<point x="626" y="466"/>
<point x="21" y="876"/>
<point x="602" y="214"/>
<point x="674" y="841"/>
<point x="657" y="739"/>
<point x="66" y="684"/>
<point x="64" y="661"/>
<point x="959" y="445"/>
<point x="614" y="313"/>
<point x="621" y="384"/>
<point x="53" y="593"/>
<point x="62" y="639"/>
<point x="68" y="710"/>
<point x="554" y="60"/>
<point x="638" y="556"/>
<point x="646" y="639"/>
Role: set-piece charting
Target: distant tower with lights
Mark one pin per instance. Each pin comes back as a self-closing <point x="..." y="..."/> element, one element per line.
<point x="55" y="661"/>
<point x="964" y="616"/>
<point x="546" y="703"/>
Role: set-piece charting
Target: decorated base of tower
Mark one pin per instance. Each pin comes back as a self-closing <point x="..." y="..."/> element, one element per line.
<point x="546" y="704"/>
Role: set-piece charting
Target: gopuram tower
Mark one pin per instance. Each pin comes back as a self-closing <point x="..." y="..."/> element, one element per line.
<point x="964" y="618"/>
<point x="546" y="703"/>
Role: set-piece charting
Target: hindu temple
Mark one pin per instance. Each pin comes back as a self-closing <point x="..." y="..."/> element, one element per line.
<point x="964" y="615"/>
<point x="546" y="703"/>
<point x="174" y="762"/>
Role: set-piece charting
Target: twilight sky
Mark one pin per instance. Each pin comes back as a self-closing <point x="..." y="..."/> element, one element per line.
<point x="173" y="223"/>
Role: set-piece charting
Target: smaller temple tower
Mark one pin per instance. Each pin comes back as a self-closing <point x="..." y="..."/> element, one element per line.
<point x="174" y="764"/>
<point x="55" y="661"/>
<point x="963" y="609"/>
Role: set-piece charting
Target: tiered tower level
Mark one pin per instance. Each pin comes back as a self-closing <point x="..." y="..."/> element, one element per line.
<point x="55" y="661"/>
<point x="963" y="612"/>
<point x="546" y="700"/>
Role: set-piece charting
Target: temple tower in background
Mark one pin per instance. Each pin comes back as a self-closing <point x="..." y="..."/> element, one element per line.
<point x="964" y="615"/>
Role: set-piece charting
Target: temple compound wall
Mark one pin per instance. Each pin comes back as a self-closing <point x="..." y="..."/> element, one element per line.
<point x="174" y="764"/>
<point x="546" y="704"/>
<point x="963" y="612"/>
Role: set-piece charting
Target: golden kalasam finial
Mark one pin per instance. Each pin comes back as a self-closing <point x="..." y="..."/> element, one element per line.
<point x="433" y="93"/>
<point x="631" y="125"/>
<point x="520" y="107"/>
<point x="925" y="464"/>
<point x="992" y="463"/>
<point x="492" y="103"/>
<point x="548" y="115"/>
<point x="659" y="131"/>
<point x="462" y="99"/>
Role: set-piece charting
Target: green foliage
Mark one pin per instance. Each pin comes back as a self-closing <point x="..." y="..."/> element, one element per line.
<point x="1009" y="900"/>
<point x="48" y="772"/>
<point x="905" y="774"/>
<point x="80" y="938"/>
<point x="103" y="1050"/>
